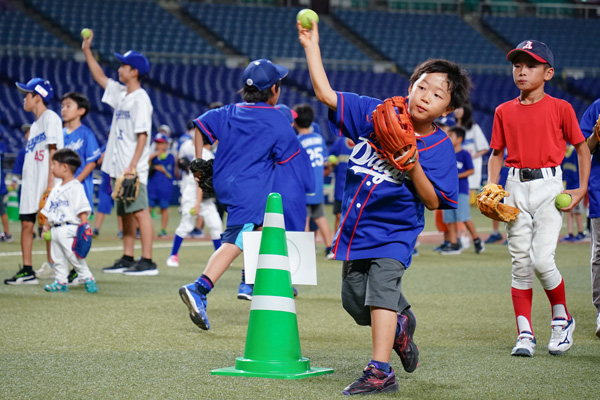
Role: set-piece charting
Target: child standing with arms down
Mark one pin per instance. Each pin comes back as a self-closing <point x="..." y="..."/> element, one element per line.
<point x="534" y="129"/>
<point x="383" y="208"/>
<point x="464" y="164"/>
<point x="67" y="207"/>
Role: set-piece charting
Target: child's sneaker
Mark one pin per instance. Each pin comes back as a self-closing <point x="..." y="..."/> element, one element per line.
<point x="329" y="255"/>
<point x="162" y="233"/>
<point x="567" y="239"/>
<point x="525" y="346"/>
<point x="404" y="345"/>
<point x="45" y="272"/>
<point x="562" y="336"/>
<point x="6" y="237"/>
<point x="143" y="268"/>
<point x="119" y="266"/>
<point x="451" y="249"/>
<point x="173" y="261"/>
<point x="479" y="246"/>
<point x="245" y="291"/>
<point x="74" y="279"/>
<point x="196" y="303"/>
<point x="441" y="246"/>
<point x="90" y="285"/>
<point x="96" y="232"/>
<point x="373" y="381"/>
<point x="494" y="237"/>
<point x="56" y="286"/>
<point x="196" y="233"/>
<point x="22" y="277"/>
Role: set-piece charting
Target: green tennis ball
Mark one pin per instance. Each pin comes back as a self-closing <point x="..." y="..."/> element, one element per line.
<point x="162" y="156"/>
<point x="192" y="211"/>
<point x="332" y="159"/>
<point x="47" y="236"/>
<point x="306" y="16"/>
<point x="86" y="33"/>
<point x="562" y="200"/>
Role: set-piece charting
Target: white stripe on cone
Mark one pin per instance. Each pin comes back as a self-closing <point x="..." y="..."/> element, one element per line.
<point x="273" y="261"/>
<point x="273" y="303"/>
<point x="274" y="220"/>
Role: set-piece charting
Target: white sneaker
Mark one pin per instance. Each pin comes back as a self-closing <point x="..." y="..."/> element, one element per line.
<point x="525" y="346"/>
<point x="173" y="261"/>
<point x="598" y="325"/>
<point x="45" y="271"/>
<point x="562" y="336"/>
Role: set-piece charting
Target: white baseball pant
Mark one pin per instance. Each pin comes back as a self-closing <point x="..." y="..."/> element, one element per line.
<point x="60" y="249"/>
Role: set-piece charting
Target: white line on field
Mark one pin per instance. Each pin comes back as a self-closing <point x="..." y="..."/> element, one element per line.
<point x="116" y="248"/>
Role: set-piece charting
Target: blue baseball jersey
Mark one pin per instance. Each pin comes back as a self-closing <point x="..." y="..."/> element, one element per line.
<point x="293" y="180"/>
<point x="83" y="141"/>
<point x="587" y="127"/>
<point x="341" y="148"/>
<point x="314" y="145"/>
<point x="464" y="162"/>
<point x="570" y="169"/>
<point x="252" y="138"/>
<point x="382" y="214"/>
<point x="160" y="186"/>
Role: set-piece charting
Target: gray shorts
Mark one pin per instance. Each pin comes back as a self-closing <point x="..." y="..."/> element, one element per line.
<point x="373" y="282"/>
<point x="315" y="210"/>
<point x="130" y="207"/>
<point x="2" y="206"/>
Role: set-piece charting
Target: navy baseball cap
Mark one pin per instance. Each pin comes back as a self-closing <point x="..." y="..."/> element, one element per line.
<point x="538" y="50"/>
<point x="40" y="86"/>
<point x="136" y="60"/>
<point x="263" y="74"/>
<point x="290" y="114"/>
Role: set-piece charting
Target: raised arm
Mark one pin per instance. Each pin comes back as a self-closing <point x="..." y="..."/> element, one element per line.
<point x="309" y="39"/>
<point x="97" y="72"/>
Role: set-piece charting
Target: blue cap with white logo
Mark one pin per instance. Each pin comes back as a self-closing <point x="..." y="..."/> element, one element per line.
<point x="135" y="59"/>
<point x="263" y="74"/>
<point x="40" y="86"/>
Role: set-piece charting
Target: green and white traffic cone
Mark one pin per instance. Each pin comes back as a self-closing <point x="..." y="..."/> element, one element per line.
<point x="272" y="341"/>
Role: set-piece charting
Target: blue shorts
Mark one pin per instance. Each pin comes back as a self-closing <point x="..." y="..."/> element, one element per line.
<point x="161" y="203"/>
<point x="233" y="234"/>
<point x="460" y="214"/>
<point x="105" y="202"/>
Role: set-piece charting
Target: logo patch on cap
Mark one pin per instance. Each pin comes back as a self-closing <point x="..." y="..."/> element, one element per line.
<point x="41" y="91"/>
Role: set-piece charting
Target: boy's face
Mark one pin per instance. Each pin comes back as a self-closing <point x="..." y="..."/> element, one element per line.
<point x="454" y="138"/>
<point x="161" y="147"/>
<point x="430" y="97"/>
<point x="529" y="74"/>
<point x="60" y="170"/>
<point x="29" y="102"/>
<point x="127" y="73"/>
<point x="70" y="110"/>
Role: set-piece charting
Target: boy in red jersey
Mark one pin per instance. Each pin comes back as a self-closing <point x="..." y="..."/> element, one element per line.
<point x="534" y="128"/>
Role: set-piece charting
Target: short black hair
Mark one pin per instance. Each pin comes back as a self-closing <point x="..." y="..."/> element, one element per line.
<point x="458" y="131"/>
<point x="467" y="119"/>
<point x="251" y="94"/>
<point x="458" y="79"/>
<point x="215" y="104"/>
<point x="306" y="115"/>
<point x="69" y="157"/>
<point x="80" y="99"/>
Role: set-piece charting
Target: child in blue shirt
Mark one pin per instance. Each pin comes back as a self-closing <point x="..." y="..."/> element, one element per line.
<point x="464" y="164"/>
<point x="160" y="181"/>
<point x="383" y="208"/>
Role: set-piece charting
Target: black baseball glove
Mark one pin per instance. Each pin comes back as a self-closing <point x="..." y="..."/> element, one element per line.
<point x="184" y="164"/>
<point x="203" y="173"/>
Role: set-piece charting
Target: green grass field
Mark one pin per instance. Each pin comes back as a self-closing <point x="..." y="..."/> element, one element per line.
<point x="134" y="340"/>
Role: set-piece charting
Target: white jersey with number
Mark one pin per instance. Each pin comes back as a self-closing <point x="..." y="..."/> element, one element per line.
<point x="46" y="130"/>
<point x="65" y="203"/>
<point x="132" y="116"/>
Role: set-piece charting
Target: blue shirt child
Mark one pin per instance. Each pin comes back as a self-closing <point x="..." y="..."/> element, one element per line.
<point x="83" y="141"/>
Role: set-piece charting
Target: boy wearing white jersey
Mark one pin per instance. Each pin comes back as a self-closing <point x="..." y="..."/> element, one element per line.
<point x="45" y="137"/>
<point x="128" y="151"/>
<point x="193" y="203"/>
<point x="67" y="207"/>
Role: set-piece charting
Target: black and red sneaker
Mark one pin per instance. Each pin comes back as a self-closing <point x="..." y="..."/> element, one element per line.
<point x="404" y="345"/>
<point x="373" y="381"/>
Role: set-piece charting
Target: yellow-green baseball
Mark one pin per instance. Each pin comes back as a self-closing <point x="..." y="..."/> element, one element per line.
<point x="86" y="33"/>
<point x="162" y="156"/>
<point x="47" y="236"/>
<point x="306" y="16"/>
<point x="332" y="159"/>
<point x="192" y="211"/>
<point x="562" y="200"/>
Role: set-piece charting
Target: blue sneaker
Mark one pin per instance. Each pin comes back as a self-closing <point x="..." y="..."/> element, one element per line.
<point x="56" y="286"/>
<point x="441" y="246"/>
<point x="494" y="237"/>
<point x="245" y="291"/>
<point x="196" y="303"/>
<point x="568" y="238"/>
<point x="373" y="381"/>
<point x="404" y="345"/>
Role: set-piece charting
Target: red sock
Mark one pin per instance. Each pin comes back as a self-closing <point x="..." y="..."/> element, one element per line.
<point x="522" y="300"/>
<point x="558" y="297"/>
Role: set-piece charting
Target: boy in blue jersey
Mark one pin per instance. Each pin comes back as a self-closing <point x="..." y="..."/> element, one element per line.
<point x="160" y="181"/>
<point x="314" y="145"/>
<point x="383" y="208"/>
<point x="253" y="137"/>
<point x="464" y="164"/>
<point x="79" y="138"/>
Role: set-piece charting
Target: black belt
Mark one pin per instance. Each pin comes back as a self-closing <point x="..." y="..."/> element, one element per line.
<point x="528" y="174"/>
<point x="62" y="224"/>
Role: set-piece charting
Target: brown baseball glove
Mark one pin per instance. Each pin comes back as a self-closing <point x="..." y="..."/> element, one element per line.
<point x="127" y="187"/>
<point x="41" y="217"/>
<point x="489" y="203"/>
<point x="395" y="134"/>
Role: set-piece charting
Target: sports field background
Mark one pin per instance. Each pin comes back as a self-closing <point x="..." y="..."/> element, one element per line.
<point x="134" y="340"/>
